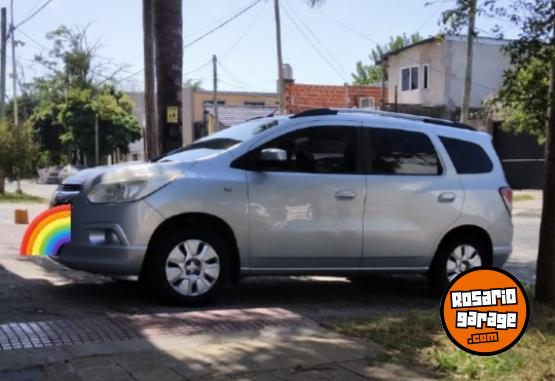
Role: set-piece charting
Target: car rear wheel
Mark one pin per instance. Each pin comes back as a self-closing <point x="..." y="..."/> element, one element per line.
<point x="188" y="267"/>
<point x="454" y="257"/>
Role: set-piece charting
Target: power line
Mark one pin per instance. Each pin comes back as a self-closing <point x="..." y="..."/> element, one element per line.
<point x="247" y="30"/>
<point x="237" y="80"/>
<point x="33" y="40"/>
<point x="441" y="71"/>
<point x="220" y="25"/>
<point x="315" y="36"/>
<point x="314" y="46"/>
<point x="33" y="14"/>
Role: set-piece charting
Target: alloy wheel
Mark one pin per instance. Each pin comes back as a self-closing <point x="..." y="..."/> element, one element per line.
<point x="192" y="267"/>
<point x="462" y="258"/>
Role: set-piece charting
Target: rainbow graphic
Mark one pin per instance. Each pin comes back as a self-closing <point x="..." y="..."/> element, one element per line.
<point x="47" y="233"/>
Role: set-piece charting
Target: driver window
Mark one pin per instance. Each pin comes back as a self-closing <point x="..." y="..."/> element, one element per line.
<point x="318" y="150"/>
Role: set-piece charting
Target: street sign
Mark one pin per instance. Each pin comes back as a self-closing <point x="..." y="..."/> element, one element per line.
<point x="172" y="114"/>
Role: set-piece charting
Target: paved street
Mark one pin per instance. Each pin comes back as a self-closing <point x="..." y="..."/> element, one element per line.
<point x="266" y="328"/>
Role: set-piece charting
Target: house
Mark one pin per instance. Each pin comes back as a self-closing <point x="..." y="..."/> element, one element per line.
<point x="238" y="100"/>
<point x="428" y="77"/>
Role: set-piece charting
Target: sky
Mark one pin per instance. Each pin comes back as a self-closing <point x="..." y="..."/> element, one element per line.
<point x="321" y="44"/>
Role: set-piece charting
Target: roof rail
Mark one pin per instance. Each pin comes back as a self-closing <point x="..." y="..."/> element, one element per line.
<point x="315" y="112"/>
<point x="420" y="118"/>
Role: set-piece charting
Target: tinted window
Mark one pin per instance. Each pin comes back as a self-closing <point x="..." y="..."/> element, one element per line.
<point x="398" y="152"/>
<point x="318" y="150"/>
<point x="467" y="157"/>
<point x="414" y="78"/>
<point x="405" y="79"/>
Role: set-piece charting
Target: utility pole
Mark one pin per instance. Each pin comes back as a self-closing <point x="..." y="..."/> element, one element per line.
<point x="151" y="121"/>
<point x="469" y="59"/>
<point x="14" y="69"/>
<point x="215" y="93"/>
<point x="3" y="38"/>
<point x="279" y="58"/>
<point x="96" y="142"/>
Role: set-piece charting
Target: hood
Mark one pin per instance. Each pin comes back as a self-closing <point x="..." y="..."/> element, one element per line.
<point x="86" y="176"/>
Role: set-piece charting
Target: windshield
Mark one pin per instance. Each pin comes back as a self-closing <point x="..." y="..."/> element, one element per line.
<point x="223" y="139"/>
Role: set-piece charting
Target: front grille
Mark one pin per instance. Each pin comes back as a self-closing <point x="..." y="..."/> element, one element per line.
<point x="70" y="187"/>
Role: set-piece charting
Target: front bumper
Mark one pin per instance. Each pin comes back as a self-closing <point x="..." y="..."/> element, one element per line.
<point x="127" y="228"/>
<point x="107" y="260"/>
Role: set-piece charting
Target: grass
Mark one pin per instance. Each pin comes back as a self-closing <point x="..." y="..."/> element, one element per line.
<point x="417" y="340"/>
<point x="20" y="197"/>
<point x="522" y="197"/>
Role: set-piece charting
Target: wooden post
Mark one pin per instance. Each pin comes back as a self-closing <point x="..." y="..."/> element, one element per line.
<point x="469" y="59"/>
<point x="279" y="58"/>
<point x="150" y="135"/>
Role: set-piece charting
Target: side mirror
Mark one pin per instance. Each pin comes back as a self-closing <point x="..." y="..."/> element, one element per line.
<point x="273" y="156"/>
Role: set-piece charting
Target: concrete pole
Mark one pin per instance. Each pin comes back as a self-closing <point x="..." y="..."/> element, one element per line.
<point x="279" y="58"/>
<point x="215" y="93"/>
<point x="14" y="69"/>
<point x="469" y="59"/>
<point x="3" y="38"/>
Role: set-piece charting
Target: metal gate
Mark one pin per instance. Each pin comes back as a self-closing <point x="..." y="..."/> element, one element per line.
<point x="522" y="158"/>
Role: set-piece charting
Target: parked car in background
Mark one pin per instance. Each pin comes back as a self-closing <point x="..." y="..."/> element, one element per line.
<point x="337" y="192"/>
<point x="49" y="175"/>
<point x="68" y="170"/>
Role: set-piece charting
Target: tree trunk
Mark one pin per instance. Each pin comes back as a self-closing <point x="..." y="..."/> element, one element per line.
<point x="150" y="132"/>
<point x="2" y="182"/>
<point x="545" y="272"/>
<point x="168" y="39"/>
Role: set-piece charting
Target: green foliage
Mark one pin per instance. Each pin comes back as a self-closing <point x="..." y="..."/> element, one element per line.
<point x="18" y="151"/>
<point x="524" y="98"/>
<point x="72" y="96"/>
<point x="366" y="74"/>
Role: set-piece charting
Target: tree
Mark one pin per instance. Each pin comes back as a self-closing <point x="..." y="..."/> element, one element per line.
<point x="374" y="72"/>
<point x="522" y="101"/>
<point x="17" y="151"/>
<point x="534" y="48"/>
<point x="79" y="87"/>
<point x="168" y="42"/>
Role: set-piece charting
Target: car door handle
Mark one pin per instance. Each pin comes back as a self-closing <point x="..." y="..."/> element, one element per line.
<point x="447" y="197"/>
<point x="345" y="194"/>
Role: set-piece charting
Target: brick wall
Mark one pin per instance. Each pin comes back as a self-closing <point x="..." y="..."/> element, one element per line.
<point x="301" y="97"/>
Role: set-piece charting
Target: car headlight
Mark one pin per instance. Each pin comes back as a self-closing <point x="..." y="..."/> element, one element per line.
<point x="129" y="183"/>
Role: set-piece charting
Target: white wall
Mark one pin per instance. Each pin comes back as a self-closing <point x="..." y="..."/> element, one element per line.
<point x="487" y="71"/>
<point x="430" y="54"/>
<point x="447" y="60"/>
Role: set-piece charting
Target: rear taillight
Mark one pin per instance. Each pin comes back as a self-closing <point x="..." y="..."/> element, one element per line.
<point x="506" y="194"/>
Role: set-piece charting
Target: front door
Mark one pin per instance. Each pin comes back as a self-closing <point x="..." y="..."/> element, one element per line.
<point x="307" y="213"/>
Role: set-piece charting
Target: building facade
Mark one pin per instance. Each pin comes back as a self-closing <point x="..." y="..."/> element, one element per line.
<point x="431" y="72"/>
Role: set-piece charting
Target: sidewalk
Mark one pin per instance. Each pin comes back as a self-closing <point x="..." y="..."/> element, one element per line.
<point x="305" y="352"/>
<point x="528" y="208"/>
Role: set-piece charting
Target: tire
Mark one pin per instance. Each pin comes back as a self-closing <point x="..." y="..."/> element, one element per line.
<point x="187" y="266"/>
<point x="454" y="256"/>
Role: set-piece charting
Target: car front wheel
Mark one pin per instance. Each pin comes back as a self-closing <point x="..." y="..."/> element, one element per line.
<point x="186" y="268"/>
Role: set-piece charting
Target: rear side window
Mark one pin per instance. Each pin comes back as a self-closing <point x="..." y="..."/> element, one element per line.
<point x="399" y="152"/>
<point x="467" y="157"/>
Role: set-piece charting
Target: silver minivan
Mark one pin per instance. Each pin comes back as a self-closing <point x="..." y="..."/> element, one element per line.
<point x="336" y="192"/>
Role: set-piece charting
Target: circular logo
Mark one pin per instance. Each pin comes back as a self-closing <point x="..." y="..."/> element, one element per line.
<point x="485" y="311"/>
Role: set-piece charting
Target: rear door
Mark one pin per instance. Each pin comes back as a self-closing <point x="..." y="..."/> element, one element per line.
<point x="412" y="198"/>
